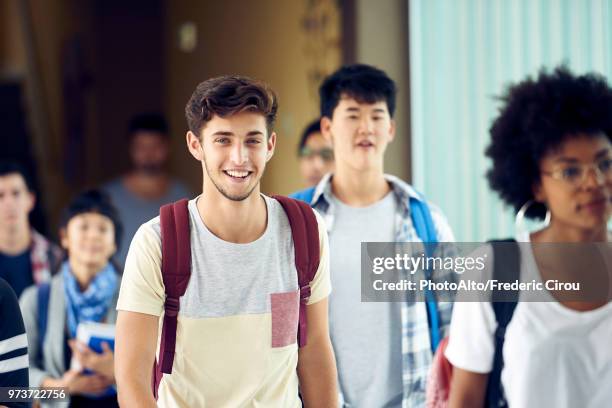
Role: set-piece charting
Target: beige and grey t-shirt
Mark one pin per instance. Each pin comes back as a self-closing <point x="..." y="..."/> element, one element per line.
<point x="237" y="327"/>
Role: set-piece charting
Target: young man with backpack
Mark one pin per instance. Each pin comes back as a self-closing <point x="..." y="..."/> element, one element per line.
<point x="232" y="285"/>
<point x="383" y="350"/>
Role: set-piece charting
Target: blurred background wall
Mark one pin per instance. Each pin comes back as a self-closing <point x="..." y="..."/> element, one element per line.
<point x="290" y="45"/>
<point x="464" y="54"/>
<point x="79" y="69"/>
<point x="72" y="72"/>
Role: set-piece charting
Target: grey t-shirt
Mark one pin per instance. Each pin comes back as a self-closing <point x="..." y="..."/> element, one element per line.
<point x="135" y="211"/>
<point x="366" y="336"/>
<point x="217" y="288"/>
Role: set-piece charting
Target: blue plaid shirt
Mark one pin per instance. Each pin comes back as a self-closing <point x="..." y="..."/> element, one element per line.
<point x="416" y="346"/>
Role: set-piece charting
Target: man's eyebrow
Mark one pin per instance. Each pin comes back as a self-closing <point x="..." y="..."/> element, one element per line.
<point x="228" y="133"/>
<point x="379" y="110"/>
<point x="352" y="109"/>
<point x="223" y="133"/>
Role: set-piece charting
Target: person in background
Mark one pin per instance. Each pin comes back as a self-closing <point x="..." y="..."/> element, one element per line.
<point x="26" y="257"/>
<point x="316" y="154"/>
<point x="85" y="289"/>
<point x="551" y="152"/>
<point x="138" y="194"/>
<point x="13" y="344"/>
<point x="383" y="349"/>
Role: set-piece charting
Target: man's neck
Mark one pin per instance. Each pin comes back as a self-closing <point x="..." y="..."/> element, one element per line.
<point x="359" y="188"/>
<point x="14" y="241"/>
<point x="147" y="186"/>
<point x="238" y="222"/>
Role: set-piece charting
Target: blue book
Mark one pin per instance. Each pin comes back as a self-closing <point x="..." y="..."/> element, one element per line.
<point x="93" y="334"/>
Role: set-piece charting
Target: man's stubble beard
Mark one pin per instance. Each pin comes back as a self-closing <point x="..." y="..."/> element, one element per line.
<point x="220" y="188"/>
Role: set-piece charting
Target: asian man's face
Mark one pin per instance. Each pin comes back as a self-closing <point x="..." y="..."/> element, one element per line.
<point x="360" y="133"/>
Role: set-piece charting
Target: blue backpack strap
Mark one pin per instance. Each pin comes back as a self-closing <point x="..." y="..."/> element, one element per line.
<point x="43" y="294"/>
<point x="423" y="222"/>
<point x="506" y="268"/>
<point x="305" y="195"/>
<point x="426" y="230"/>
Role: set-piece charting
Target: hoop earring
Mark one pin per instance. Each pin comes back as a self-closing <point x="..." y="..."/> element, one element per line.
<point x="519" y="221"/>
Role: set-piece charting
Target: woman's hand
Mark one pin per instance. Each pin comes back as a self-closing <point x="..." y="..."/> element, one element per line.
<point x="102" y="364"/>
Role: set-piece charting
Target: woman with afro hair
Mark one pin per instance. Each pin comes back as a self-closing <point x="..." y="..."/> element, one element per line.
<point x="551" y="153"/>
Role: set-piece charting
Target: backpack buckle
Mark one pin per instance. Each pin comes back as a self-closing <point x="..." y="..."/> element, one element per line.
<point x="172" y="306"/>
<point x="304" y="293"/>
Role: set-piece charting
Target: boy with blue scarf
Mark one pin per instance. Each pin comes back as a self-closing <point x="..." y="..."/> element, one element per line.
<point x="85" y="290"/>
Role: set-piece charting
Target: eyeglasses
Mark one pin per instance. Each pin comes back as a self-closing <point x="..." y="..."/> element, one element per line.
<point x="325" y="153"/>
<point x="576" y="174"/>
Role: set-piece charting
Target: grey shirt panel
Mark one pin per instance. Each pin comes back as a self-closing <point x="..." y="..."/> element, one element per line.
<point x="366" y="336"/>
<point x="228" y="279"/>
<point x="135" y="211"/>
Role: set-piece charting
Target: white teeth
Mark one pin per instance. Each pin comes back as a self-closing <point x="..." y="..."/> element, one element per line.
<point x="235" y="173"/>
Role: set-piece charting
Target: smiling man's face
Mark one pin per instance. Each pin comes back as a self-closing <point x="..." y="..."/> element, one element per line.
<point x="235" y="150"/>
<point x="360" y="133"/>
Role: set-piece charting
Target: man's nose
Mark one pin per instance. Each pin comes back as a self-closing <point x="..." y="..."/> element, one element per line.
<point x="239" y="154"/>
<point x="366" y="125"/>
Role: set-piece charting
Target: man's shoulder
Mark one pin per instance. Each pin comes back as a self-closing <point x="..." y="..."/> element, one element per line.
<point x="305" y="195"/>
<point x="412" y="197"/>
<point x="151" y="228"/>
<point x="409" y="192"/>
<point x="51" y="248"/>
<point x="6" y="290"/>
<point x="279" y="211"/>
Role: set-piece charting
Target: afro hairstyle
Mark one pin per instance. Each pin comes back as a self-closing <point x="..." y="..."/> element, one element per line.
<point x="536" y="117"/>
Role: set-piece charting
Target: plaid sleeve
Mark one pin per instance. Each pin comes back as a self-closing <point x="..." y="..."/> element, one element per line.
<point x="445" y="250"/>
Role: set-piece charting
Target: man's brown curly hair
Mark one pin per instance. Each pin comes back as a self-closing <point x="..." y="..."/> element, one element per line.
<point x="227" y="95"/>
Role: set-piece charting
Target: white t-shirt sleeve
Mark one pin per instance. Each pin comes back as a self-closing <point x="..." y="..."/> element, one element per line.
<point x="320" y="287"/>
<point x="142" y="288"/>
<point x="471" y="343"/>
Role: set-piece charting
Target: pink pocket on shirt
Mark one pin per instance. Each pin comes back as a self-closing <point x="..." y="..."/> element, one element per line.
<point x="285" y="313"/>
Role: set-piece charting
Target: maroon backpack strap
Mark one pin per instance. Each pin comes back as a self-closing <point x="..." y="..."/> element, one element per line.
<point x="305" y="232"/>
<point x="176" y="270"/>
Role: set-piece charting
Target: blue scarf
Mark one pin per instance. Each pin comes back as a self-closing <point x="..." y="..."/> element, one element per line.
<point x="91" y="305"/>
